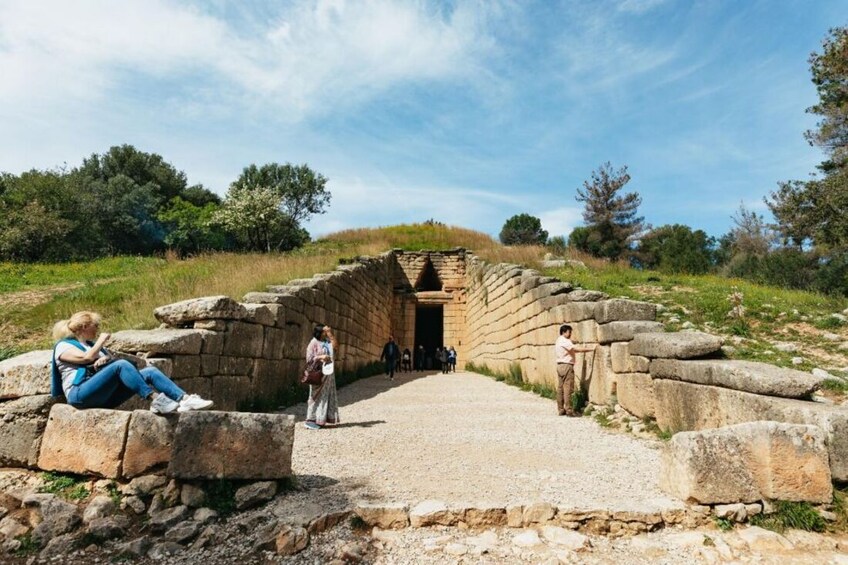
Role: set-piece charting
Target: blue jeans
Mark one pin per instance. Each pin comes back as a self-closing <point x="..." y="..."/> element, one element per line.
<point x="115" y="383"/>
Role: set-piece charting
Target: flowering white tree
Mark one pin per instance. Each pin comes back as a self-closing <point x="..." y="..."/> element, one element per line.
<point x="255" y="216"/>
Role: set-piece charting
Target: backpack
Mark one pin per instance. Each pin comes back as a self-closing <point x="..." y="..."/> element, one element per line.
<point x="56" y="376"/>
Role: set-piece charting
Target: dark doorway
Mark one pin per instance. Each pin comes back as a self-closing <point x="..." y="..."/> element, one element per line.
<point x="429" y="331"/>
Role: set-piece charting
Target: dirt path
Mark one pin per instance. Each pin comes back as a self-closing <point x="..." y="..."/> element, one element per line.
<point x="465" y="438"/>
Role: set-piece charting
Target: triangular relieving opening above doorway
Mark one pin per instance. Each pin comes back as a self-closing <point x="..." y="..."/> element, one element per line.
<point x="428" y="279"/>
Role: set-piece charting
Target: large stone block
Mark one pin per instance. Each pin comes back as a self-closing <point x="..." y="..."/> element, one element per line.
<point x="25" y="375"/>
<point x="619" y="309"/>
<point x="682" y="406"/>
<point x="748" y="463"/>
<point x="675" y="345"/>
<point x="259" y="314"/>
<point x="231" y="392"/>
<point x="635" y="393"/>
<point x="185" y="366"/>
<point x="274" y="343"/>
<point x="577" y="311"/>
<point x="229" y="445"/>
<point x="583" y="295"/>
<point x="620" y="357"/>
<point x="585" y="332"/>
<point x="286" y="299"/>
<point x="602" y="383"/>
<point x="168" y="341"/>
<point x="244" y="340"/>
<point x="748" y="376"/>
<point x="22" y="423"/>
<point x="86" y="442"/>
<point x="624" y="331"/>
<point x="149" y="441"/>
<point x="205" y="308"/>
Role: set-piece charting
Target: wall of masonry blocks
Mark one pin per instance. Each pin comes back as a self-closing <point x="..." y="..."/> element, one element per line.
<point x="514" y="314"/>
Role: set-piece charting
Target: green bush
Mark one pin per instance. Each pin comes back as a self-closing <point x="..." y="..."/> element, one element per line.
<point x="791" y="515"/>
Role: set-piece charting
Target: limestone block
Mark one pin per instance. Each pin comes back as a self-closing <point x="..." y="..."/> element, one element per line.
<point x="624" y="331"/>
<point x="185" y="366"/>
<point x="201" y="386"/>
<point x="620" y="357"/>
<point x="169" y="341"/>
<point x="213" y="343"/>
<point x="25" y="375"/>
<point x="538" y="513"/>
<point x="22" y="423"/>
<point x="619" y="309"/>
<point x="229" y="392"/>
<point x="244" y="340"/>
<point x="682" y="406"/>
<point x="287" y="299"/>
<point x="212" y="325"/>
<point x="149" y="441"/>
<point x="583" y="295"/>
<point x="205" y="308"/>
<point x="675" y="345"/>
<point x="585" y="332"/>
<point x="246" y="446"/>
<point x="164" y="364"/>
<point x="748" y="376"/>
<point x="385" y="516"/>
<point x="209" y="365"/>
<point x="639" y="364"/>
<point x="235" y="365"/>
<point x="635" y="393"/>
<point x="748" y="463"/>
<point x="274" y="344"/>
<point x="602" y="382"/>
<point x="578" y="311"/>
<point x="431" y="513"/>
<point x="259" y="314"/>
<point x="86" y="442"/>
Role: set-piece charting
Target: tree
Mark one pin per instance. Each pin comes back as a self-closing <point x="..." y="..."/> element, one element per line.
<point x="255" y="217"/>
<point x="302" y="191"/>
<point x="32" y="233"/>
<point x="190" y="228"/>
<point x="751" y="234"/>
<point x="814" y="211"/>
<point x="675" y="249"/>
<point x="611" y="219"/>
<point x="523" y="229"/>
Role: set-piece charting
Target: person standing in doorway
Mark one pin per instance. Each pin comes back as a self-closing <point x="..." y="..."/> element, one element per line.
<point x="452" y="359"/>
<point x="564" y="351"/>
<point x="443" y="360"/>
<point x="390" y="354"/>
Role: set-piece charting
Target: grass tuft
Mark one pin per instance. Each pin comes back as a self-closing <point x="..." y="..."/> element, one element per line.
<point x="69" y="487"/>
<point x="791" y="515"/>
<point x="724" y="524"/>
<point x="513" y="376"/>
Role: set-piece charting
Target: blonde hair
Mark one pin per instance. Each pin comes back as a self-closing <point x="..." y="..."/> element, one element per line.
<point x="67" y="328"/>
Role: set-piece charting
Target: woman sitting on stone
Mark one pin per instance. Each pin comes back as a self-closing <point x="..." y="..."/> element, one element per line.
<point x="90" y="377"/>
<point x="322" y="407"/>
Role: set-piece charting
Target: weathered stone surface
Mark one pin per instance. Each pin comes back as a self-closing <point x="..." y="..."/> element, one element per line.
<point x="583" y="295"/>
<point x="748" y="376"/>
<point x="185" y="366"/>
<point x="578" y="311"/>
<point x="162" y="363"/>
<point x="601" y="383"/>
<point x="284" y="298"/>
<point x="168" y="341"/>
<point x="204" y="308"/>
<point x="52" y="516"/>
<point x="585" y="331"/>
<point x="639" y="364"/>
<point x="764" y="541"/>
<point x="192" y="496"/>
<point x="149" y="441"/>
<point x="430" y="513"/>
<point x="747" y="463"/>
<point x="231" y="392"/>
<point x="386" y="516"/>
<point x="101" y="506"/>
<point x="675" y="345"/>
<point x="255" y="494"/>
<point x="103" y="529"/>
<point x="684" y="406"/>
<point x="619" y="309"/>
<point x="247" y="446"/>
<point x="259" y="314"/>
<point x="620" y="357"/>
<point x="624" y="331"/>
<point x="538" y="513"/>
<point x="480" y="516"/>
<point x="22" y="423"/>
<point x="144" y="486"/>
<point x="244" y="340"/>
<point x="25" y="375"/>
<point x="167" y="518"/>
<point x="569" y="539"/>
<point x="635" y="392"/>
<point x="183" y="532"/>
<point x="291" y="540"/>
<point x="86" y="442"/>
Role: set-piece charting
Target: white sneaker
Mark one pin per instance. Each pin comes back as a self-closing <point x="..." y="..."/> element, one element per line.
<point x="161" y="404"/>
<point x="193" y="402"/>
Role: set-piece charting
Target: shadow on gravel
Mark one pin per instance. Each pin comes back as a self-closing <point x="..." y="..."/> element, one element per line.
<point x="368" y="424"/>
<point x="364" y="389"/>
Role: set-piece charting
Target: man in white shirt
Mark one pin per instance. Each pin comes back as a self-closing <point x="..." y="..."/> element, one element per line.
<point x="564" y="351"/>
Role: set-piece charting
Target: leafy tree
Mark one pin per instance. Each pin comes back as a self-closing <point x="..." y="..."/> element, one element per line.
<point x="751" y="234"/>
<point x="32" y="233"/>
<point x="814" y="210"/>
<point x="523" y="229"/>
<point x="610" y="217"/>
<point x="191" y="228"/>
<point x="255" y="217"/>
<point x="557" y="244"/>
<point x="301" y="190"/>
<point x="675" y="249"/>
<point x="200" y="196"/>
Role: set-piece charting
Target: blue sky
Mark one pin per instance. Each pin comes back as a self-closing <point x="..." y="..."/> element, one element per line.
<point x="466" y="112"/>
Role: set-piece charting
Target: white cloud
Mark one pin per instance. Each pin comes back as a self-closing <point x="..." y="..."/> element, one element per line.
<point x="561" y="221"/>
<point x="313" y="58"/>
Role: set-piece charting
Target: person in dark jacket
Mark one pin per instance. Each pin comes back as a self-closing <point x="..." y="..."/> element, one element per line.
<point x="390" y="355"/>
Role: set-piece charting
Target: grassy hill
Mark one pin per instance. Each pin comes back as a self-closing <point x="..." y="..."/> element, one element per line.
<point x="127" y="289"/>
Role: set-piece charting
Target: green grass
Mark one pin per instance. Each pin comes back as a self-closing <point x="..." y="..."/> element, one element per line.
<point x="69" y="487"/>
<point x="513" y="376"/>
<point x="23" y="276"/>
<point x="603" y="420"/>
<point x="791" y="515"/>
<point x="28" y="545"/>
<point x="835" y="385"/>
<point x="724" y="524"/>
<point x="651" y="426"/>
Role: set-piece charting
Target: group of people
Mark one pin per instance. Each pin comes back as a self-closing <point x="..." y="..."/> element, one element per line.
<point x="90" y="376"/>
<point x="443" y="359"/>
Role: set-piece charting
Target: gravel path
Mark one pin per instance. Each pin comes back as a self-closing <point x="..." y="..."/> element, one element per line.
<point x="465" y="438"/>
